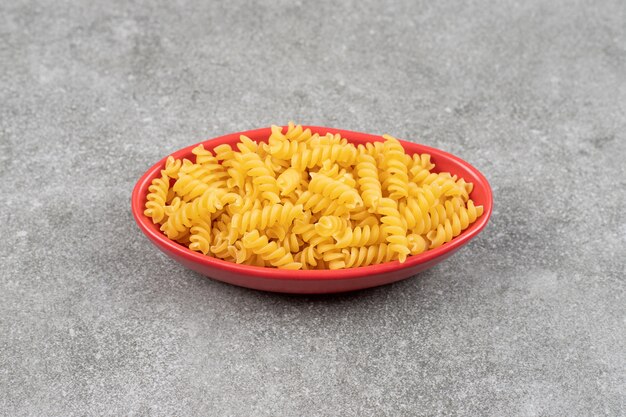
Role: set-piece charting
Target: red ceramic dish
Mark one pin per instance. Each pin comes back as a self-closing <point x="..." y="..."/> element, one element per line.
<point x="324" y="281"/>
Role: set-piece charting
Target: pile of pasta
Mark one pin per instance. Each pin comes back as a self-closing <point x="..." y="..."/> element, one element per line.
<point x="309" y="201"/>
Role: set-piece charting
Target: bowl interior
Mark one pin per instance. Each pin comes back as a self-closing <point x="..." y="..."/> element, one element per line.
<point x="443" y="161"/>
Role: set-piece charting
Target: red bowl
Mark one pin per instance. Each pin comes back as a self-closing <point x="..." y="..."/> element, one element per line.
<point x="323" y="281"/>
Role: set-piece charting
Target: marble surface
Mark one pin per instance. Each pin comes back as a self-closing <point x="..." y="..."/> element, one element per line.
<point x="527" y="320"/>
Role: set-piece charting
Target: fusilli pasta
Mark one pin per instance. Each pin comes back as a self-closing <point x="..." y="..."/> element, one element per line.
<point x="309" y="201"/>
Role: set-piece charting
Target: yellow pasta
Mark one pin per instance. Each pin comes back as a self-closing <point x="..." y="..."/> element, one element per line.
<point x="261" y="219"/>
<point x="263" y="178"/>
<point x="344" y="155"/>
<point x="288" y="181"/>
<point x="200" y="235"/>
<point x="328" y="139"/>
<point x="157" y="197"/>
<point x="417" y="243"/>
<point x="187" y="187"/>
<point x="394" y="227"/>
<point x="269" y="251"/>
<point x="360" y="236"/>
<point x="309" y="201"/>
<point x="172" y="166"/>
<point x="397" y="179"/>
<point x="335" y="190"/>
<point x="307" y="257"/>
<point x="317" y="203"/>
<point x="369" y="184"/>
<point x="367" y="255"/>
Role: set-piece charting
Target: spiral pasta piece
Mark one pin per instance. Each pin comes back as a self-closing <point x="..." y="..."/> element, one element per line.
<point x="328" y="226"/>
<point x="417" y="243"/>
<point x="437" y="215"/>
<point x="360" y="236"/>
<point x="208" y="203"/>
<point x="370" y="220"/>
<point x="177" y="223"/>
<point x="288" y="181"/>
<point x="278" y="166"/>
<point x="212" y="174"/>
<point x="291" y="243"/>
<point x="184" y="213"/>
<point x="294" y="133"/>
<point x="311" y="157"/>
<point x="443" y="234"/>
<point x="309" y="235"/>
<point x="200" y="236"/>
<point x="224" y="153"/>
<point x="247" y="145"/>
<point x="277" y="232"/>
<point x="277" y="134"/>
<point x="466" y="215"/>
<point x="284" y="148"/>
<point x="266" y="217"/>
<point x="317" y="203"/>
<point x="189" y="173"/>
<point x="332" y="170"/>
<point x="269" y="251"/>
<point x="308" y="257"/>
<point x="367" y="255"/>
<point x="262" y="177"/>
<point x="221" y="248"/>
<point x="297" y="133"/>
<point x="241" y="254"/>
<point x="188" y="187"/>
<point x="397" y="181"/>
<point x="419" y="167"/>
<point x="334" y="259"/>
<point x="373" y="149"/>
<point x="452" y="227"/>
<point x="359" y="213"/>
<point x="369" y="184"/>
<point x="394" y="228"/>
<point x="157" y="196"/>
<point x="453" y="205"/>
<point x="335" y="190"/>
<point x="328" y="139"/>
<point x="205" y="157"/>
<point x="172" y="166"/>
<point x="421" y="160"/>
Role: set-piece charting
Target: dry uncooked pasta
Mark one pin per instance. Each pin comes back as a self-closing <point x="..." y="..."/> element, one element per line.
<point x="305" y="201"/>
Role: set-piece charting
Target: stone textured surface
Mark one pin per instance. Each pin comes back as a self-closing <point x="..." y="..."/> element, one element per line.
<point x="527" y="320"/>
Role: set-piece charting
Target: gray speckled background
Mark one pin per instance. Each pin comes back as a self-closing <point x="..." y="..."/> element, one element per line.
<point x="529" y="319"/>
